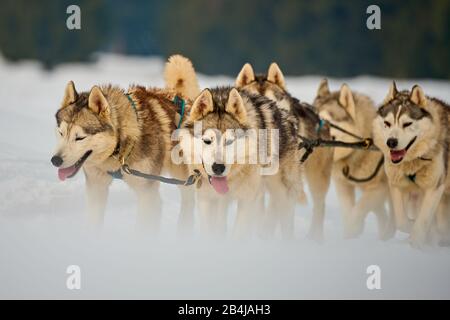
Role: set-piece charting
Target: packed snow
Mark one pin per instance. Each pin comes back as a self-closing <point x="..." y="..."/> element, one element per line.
<point x="43" y="231"/>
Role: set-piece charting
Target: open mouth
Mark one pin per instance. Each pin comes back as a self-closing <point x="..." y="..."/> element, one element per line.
<point x="219" y="183"/>
<point x="398" y="155"/>
<point x="69" y="172"/>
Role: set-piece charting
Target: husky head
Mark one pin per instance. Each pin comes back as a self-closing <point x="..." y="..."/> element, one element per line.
<point x="271" y="85"/>
<point x="84" y="131"/>
<point x="340" y="108"/>
<point x="403" y="124"/>
<point x="221" y="116"/>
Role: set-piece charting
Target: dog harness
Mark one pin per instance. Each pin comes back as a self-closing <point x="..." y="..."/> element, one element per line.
<point x="180" y="103"/>
<point x="192" y="179"/>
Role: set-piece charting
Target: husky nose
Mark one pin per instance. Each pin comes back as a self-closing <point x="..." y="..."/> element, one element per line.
<point x="392" y="143"/>
<point x="57" y="161"/>
<point x="218" y="168"/>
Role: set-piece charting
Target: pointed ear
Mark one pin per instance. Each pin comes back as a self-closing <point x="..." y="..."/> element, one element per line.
<point x="418" y="96"/>
<point x="275" y="75"/>
<point x="97" y="101"/>
<point x="346" y="100"/>
<point x="323" y="90"/>
<point x="392" y="93"/>
<point x="235" y="106"/>
<point x="70" y="94"/>
<point x="246" y="76"/>
<point x="201" y="106"/>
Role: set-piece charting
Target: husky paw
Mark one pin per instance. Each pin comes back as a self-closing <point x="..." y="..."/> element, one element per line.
<point x="387" y="232"/>
<point x="418" y="239"/>
<point x="316" y="236"/>
<point x="405" y="226"/>
<point x="354" y="231"/>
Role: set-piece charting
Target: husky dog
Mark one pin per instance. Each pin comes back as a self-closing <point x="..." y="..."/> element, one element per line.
<point x="230" y="119"/>
<point x="319" y="164"/>
<point x="355" y="112"/>
<point x="106" y="127"/>
<point x="413" y="132"/>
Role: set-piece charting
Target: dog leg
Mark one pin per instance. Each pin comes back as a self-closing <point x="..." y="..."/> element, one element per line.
<point x="346" y="195"/>
<point x="421" y="227"/>
<point x="185" y="225"/>
<point x="443" y="221"/>
<point x="287" y="218"/>
<point x="249" y="210"/>
<point x="212" y="215"/>
<point x="318" y="182"/>
<point x="149" y="209"/>
<point x="401" y="218"/>
<point x="385" y="221"/>
<point x="220" y="222"/>
<point x="370" y="200"/>
<point x="97" y="185"/>
<point x="269" y="221"/>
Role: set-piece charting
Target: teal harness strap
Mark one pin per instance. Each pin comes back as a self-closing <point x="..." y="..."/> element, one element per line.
<point x="181" y="104"/>
<point x="116" y="174"/>
<point x="131" y="101"/>
<point x="321" y="124"/>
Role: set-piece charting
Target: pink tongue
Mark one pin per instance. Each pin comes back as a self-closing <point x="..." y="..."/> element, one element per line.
<point x="66" y="172"/>
<point x="220" y="184"/>
<point x="397" y="155"/>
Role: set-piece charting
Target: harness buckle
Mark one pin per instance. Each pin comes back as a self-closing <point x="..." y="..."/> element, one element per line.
<point x="368" y="142"/>
<point x="126" y="168"/>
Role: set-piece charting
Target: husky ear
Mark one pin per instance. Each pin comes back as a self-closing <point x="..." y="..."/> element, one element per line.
<point x="70" y="94"/>
<point x="97" y="102"/>
<point x="235" y="106"/>
<point x="246" y="76"/>
<point x="323" y="90"/>
<point x="418" y="96"/>
<point x="346" y="100"/>
<point x="201" y="106"/>
<point x="391" y="94"/>
<point x="275" y="75"/>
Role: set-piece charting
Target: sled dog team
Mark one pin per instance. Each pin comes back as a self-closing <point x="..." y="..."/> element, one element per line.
<point x="405" y="182"/>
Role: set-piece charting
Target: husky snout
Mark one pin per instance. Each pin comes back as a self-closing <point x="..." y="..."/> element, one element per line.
<point x="392" y="143"/>
<point x="218" y="168"/>
<point x="57" y="161"/>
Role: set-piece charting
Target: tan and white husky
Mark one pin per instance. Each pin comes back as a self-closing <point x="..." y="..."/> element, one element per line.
<point x="355" y="112"/>
<point x="224" y="121"/>
<point x="100" y="129"/>
<point x="413" y="131"/>
<point x="319" y="164"/>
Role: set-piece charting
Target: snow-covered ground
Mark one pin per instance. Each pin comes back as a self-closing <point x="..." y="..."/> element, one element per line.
<point x="42" y="228"/>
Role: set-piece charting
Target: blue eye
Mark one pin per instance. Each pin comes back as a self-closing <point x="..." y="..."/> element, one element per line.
<point x="229" y="141"/>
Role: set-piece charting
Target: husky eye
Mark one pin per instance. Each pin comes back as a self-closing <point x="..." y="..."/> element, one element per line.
<point x="407" y="124"/>
<point x="207" y="141"/>
<point x="79" y="138"/>
<point x="387" y="124"/>
<point x="229" y="141"/>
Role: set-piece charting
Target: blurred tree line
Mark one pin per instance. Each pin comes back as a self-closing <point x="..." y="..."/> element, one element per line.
<point x="326" y="37"/>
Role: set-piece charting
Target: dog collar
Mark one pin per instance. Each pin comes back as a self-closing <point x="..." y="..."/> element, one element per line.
<point x="180" y="103"/>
